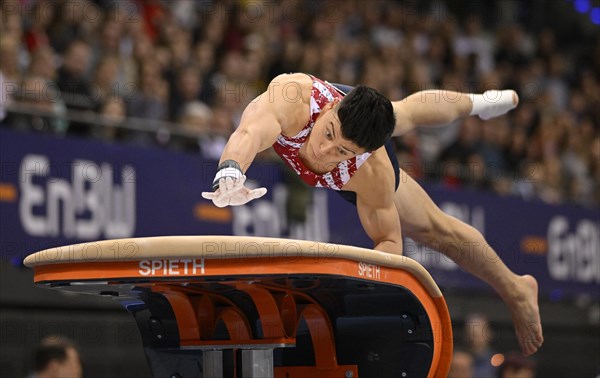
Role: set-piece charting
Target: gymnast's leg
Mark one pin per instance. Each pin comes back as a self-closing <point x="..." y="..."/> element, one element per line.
<point x="425" y="223"/>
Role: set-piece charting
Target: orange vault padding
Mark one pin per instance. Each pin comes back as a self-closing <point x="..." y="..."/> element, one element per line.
<point x="225" y="306"/>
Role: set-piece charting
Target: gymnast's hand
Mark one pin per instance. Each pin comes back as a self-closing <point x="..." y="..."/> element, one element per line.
<point x="229" y="189"/>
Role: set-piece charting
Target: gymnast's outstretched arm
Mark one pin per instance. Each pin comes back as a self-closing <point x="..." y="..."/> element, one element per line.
<point x="258" y="130"/>
<point x="441" y="107"/>
<point x="262" y="122"/>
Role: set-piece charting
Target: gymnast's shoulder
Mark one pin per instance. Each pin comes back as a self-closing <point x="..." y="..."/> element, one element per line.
<point x="288" y="98"/>
<point x="293" y="88"/>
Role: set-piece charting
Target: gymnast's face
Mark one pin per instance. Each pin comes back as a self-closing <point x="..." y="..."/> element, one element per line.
<point x="326" y="145"/>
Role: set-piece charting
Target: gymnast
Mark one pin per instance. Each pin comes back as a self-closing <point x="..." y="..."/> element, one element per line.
<point x="338" y="137"/>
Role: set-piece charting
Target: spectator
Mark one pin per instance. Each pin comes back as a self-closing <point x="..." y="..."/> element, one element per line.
<point x="409" y="155"/>
<point x="222" y="122"/>
<point x="494" y="141"/>
<point x="56" y="357"/>
<point x="112" y="113"/>
<point x="205" y="58"/>
<point x="187" y="89"/>
<point x="197" y="121"/>
<point x="9" y="65"/>
<point x="455" y="157"/>
<point x="73" y="76"/>
<point x="514" y="46"/>
<point x="69" y="23"/>
<point x="476" y="172"/>
<point x="552" y="188"/>
<point x="46" y="109"/>
<point x="515" y="151"/>
<point x="517" y="366"/>
<point x="43" y="64"/>
<point x="214" y="52"/>
<point x="196" y="118"/>
<point x="180" y="44"/>
<point x="461" y="365"/>
<point x="467" y="143"/>
<point x="9" y="58"/>
<point x="143" y="49"/>
<point x="478" y="335"/>
<point x="150" y="98"/>
<point x="12" y="22"/>
<point x="105" y="83"/>
<point x="476" y="41"/>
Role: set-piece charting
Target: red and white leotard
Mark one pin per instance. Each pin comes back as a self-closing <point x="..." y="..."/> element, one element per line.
<point x="322" y="93"/>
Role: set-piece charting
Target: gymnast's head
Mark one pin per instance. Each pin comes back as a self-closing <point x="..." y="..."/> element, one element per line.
<point x="362" y="121"/>
<point x="367" y="118"/>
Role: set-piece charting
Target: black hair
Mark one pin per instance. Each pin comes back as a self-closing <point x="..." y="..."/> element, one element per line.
<point x="52" y="348"/>
<point x="367" y="117"/>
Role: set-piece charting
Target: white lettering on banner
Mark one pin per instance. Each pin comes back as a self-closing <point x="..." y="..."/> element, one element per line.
<point x="574" y="256"/>
<point x="268" y="218"/>
<point x="171" y="267"/>
<point x="369" y="270"/>
<point x="89" y="206"/>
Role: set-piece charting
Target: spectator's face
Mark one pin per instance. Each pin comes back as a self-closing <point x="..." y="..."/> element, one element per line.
<point x="478" y="332"/>
<point x="205" y="56"/>
<point x="111" y="36"/>
<point x="107" y="72"/>
<point x="180" y="50"/>
<point x="114" y="110"/>
<point x="11" y="24"/>
<point x="43" y="64"/>
<point x="143" y="48"/>
<point x="189" y="85"/>
<point x="232" y="66"/>
<point x="69" y="368"/>
<point x="9" y="52"/>
<point x="461" y="366"/>
<point x="222" y="122"/>
<point x="77" y="59"/>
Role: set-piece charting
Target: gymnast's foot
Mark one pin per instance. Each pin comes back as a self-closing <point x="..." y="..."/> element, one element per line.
<point x="526" y="314"/>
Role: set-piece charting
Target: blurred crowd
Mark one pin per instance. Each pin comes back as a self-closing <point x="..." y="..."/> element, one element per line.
<point x="475" y="356"/>
<point x="195" y="65"/>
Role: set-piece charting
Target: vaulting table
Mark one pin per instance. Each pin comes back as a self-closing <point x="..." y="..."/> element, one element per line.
<point x="226" y="306"/>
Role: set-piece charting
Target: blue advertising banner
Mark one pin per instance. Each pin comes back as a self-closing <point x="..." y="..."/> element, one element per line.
<point x="559" y="245"/>
<point x="57" y="191"/>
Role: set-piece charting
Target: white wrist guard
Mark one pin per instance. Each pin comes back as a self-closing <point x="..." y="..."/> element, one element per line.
<point x="492" y="103"/>
<point x="228" y="168"/>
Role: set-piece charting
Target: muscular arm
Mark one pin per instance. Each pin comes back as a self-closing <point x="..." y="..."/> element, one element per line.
<point x="441" y="107"/>
<point x="375" y="204"/>
<point x="270" y="114"/>
<point x="259" y="127"/>
<point x="382" y="224"/>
